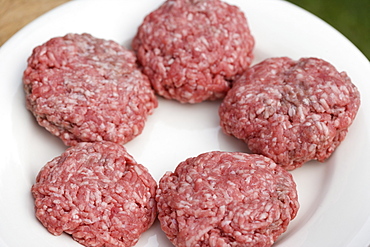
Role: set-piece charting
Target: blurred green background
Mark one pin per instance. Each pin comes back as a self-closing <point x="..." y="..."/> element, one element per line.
<point x="350" y="17"/>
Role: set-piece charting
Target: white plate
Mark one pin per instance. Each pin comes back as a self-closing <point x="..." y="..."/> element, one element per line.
<point x="334" y="196"/>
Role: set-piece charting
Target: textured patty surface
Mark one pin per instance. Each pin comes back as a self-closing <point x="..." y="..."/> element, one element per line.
<point x="97" y="193"/>
<point x="291" y="111"/>
<point x="224" y="199"/>
<point x="81" y="88"/>
<point x="192" y="49"/>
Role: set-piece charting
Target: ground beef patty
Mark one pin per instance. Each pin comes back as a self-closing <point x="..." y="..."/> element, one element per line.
<point x="291" y="111"/>
<point x="81" y="88"/>
<point x="224" y="199"/>
<point x="97" y="193"/>
<point x="192" y="49"/>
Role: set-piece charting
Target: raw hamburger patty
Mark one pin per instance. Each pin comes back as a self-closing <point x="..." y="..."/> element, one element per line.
<point x="97" y="193"/>
<point x="81" y="88"/>
<point x="226" y="199"/>
<point x="192" y="49"/>
<point x="291" y="111"/>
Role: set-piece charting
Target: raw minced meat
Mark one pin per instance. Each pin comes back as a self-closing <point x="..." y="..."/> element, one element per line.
<point x="97" y="193"/>
<point x="224" y="199"/>
<point x="291" y="111"/>
<point x="192" y="50"/>
<point x="81" y="88"/>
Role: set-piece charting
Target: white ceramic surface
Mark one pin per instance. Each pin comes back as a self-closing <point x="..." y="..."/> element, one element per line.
<point x="334" y="196"/>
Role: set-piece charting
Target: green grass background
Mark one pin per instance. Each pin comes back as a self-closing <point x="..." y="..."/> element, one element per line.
<point x="350" y="17"/>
